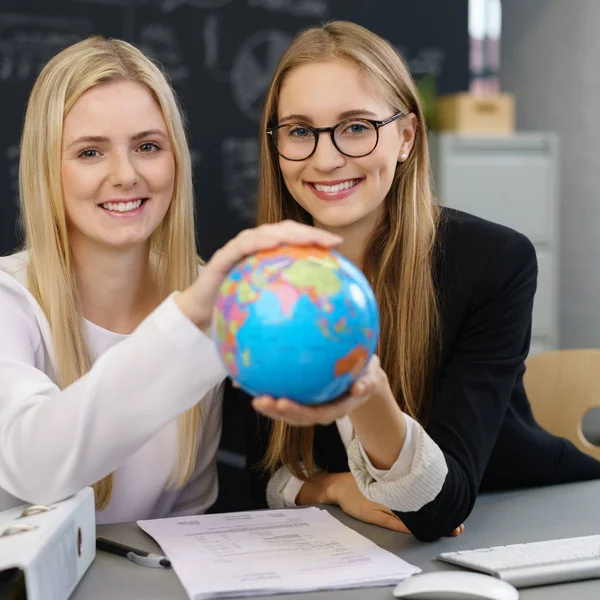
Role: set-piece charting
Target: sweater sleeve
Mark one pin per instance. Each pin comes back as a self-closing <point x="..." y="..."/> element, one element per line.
<point x="53" y="442"/>
<point x="408" y="486"/>
<point x="475" y="386"/>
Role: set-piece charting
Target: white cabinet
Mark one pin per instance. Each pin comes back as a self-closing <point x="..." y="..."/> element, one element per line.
<point x="511" y="180"/>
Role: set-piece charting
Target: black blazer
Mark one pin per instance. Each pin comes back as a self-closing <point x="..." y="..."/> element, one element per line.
<point x="478" y="413"/>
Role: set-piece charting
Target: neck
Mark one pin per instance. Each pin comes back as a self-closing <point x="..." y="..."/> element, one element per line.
<point x="117" y="288"/>
<point x="355" y="237"/>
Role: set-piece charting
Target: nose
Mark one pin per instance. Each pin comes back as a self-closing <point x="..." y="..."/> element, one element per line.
<point x="327" y="157"/>
<point x="122" y="170"/>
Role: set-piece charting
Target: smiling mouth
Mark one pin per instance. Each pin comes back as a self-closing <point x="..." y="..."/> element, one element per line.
<point x="123" y="207"/>
<point x="336" y="187"/>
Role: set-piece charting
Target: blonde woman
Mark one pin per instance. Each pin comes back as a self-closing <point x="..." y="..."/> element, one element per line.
<point x="344" y="147"/>
<point x="107" y="374"/>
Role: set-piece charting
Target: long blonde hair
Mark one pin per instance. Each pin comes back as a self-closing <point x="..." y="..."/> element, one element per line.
<point x="399" y="256"/>
<point x="50" y="273"/>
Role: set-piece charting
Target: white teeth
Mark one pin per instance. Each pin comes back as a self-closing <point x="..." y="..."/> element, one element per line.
<point x="338" y="187"/>
<point x="122" y="206"/>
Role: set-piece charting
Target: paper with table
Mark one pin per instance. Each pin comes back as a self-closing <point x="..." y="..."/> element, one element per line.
<point x="272" y="552"/>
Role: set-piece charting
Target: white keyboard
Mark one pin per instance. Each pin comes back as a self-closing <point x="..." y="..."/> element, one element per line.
<point x="534" y="563"/>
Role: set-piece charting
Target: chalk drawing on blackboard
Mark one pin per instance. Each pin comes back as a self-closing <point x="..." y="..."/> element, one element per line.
<point x="171" y="5"/>
<point x="253" y="67"/>
<point x="159" y="41"/>
<point x="123" y="3"/>
<point x="427" y="61"/>
<point x="210" y="37"/>
<point x="195" y="156"/>
<point x="28" y="42"/>
<point x="240" y="175"/>
<point x="211" y="42"/>
<point x="166" y="6"/>
<point x="297" y="8"/>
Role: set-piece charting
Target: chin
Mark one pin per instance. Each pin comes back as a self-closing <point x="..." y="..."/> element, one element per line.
<point x="340" y="217"/>
<point x="126" y="243"/>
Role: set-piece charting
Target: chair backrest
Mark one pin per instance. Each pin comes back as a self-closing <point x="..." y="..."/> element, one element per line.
<point x="562" y="386"/>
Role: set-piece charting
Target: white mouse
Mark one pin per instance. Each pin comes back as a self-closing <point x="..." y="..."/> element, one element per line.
<point x="455" y="585"/>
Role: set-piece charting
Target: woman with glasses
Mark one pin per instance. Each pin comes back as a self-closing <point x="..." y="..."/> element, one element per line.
<point x="107" y="375"/>
<point x="345" y="148"/>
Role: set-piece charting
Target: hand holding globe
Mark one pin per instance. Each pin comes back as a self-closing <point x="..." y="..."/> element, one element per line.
<point x="298" y="322"/>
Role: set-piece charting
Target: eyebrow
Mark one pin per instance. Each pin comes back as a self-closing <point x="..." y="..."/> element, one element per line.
<point x="359" y="112"/>
<point x="98" y="139"/>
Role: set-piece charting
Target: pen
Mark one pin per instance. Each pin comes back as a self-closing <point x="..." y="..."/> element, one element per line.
<point x="139" y="557"/>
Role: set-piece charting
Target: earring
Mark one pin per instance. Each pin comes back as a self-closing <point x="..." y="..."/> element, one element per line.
<point x="403" y="157"/>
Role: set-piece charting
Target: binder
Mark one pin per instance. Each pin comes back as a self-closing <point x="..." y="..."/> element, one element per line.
<point x="46" y="550"/>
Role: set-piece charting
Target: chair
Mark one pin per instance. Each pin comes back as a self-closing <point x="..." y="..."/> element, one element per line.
<point x="562" y="386"/>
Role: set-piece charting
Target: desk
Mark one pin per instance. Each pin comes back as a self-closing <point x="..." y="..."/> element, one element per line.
<point x="497" y="519"/>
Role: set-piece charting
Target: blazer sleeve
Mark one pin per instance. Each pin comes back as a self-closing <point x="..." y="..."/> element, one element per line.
<point x="476" y="382"/>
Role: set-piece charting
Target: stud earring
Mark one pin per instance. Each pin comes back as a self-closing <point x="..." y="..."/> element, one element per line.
<point x="403" y="157"/>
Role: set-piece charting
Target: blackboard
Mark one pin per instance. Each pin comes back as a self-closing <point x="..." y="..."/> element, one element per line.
<point x="219" y="55"/>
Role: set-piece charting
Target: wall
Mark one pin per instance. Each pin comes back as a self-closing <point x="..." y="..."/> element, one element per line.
<point x="550" y="51"/>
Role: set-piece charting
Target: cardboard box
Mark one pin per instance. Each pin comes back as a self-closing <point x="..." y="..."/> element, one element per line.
<point x="466" y="113"/>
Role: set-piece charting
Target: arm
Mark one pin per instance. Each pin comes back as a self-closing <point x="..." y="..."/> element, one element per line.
<point x="474" y="388"/>
<point x="379" y="423"/>
<point x="53" y="442"/>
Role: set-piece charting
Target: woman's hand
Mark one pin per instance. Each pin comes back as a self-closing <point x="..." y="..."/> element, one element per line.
<point x="342" y="489"/>
<point x="198" y="301"/>
<point x="302" y="415"/>
<point x="354" y="503"/>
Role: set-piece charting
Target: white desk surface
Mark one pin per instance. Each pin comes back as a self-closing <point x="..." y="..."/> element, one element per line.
<point x="497" y="519"/>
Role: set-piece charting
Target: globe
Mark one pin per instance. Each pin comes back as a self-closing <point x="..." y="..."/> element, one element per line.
<point x="297" y="322"/>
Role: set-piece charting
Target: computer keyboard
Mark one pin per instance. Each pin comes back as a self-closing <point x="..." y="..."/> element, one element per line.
<point x="534" y="563"/>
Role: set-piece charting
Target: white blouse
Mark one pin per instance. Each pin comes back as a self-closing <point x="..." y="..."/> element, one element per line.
<point x="120" y="417"/>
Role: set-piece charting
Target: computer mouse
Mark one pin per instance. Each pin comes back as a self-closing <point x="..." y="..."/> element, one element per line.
<point x="455" y="585"/>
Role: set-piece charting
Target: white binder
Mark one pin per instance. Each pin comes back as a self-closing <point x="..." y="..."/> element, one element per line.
<point x="52" y="546"/>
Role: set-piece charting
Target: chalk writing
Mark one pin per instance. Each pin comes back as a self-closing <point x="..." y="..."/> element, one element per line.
<point x="253" y="67"/>
<point x="160" y="42"/>
<point x="426" y="61"/>
<point x="297" y="8"/>
<point x="165" y="6"/>
<point x="240" y="174"/>
<point x="28" y="42"/>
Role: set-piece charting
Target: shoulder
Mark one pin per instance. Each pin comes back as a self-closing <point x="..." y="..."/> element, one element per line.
<point x="479" y="247"/>
<point x="13" y="278"/>
<point x="15" y="265"/>
<point x="16" y="301"/>
<point x="468" y="233"/>
<point x="22" y="319"/>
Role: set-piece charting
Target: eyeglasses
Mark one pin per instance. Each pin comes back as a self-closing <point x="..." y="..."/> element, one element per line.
<point x="352" y="137"/>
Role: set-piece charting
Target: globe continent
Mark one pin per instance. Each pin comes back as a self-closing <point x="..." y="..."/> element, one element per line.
<point x="296" y="322"/>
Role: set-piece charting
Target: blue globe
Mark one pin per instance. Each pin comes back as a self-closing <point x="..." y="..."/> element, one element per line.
<point x="296" y="322"/>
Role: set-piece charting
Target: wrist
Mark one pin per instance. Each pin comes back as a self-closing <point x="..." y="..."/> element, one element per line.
<point x="379" y="401"/>
<point x="321" y="488"/>
<point x="189" y="307"/>
<point x="336" y="486"/>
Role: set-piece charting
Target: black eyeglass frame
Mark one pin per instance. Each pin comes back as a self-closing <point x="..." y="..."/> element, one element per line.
<point x="316" y="131"/>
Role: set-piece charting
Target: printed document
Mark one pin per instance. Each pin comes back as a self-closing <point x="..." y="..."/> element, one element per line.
<point x="259" y="553"/>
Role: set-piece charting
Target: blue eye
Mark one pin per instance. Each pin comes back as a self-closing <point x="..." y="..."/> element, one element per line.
<point x="356" y="128"/>
<point x="300" y="132"/>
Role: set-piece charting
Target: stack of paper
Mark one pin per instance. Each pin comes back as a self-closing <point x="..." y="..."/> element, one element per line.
<point x="272" y="552"/>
